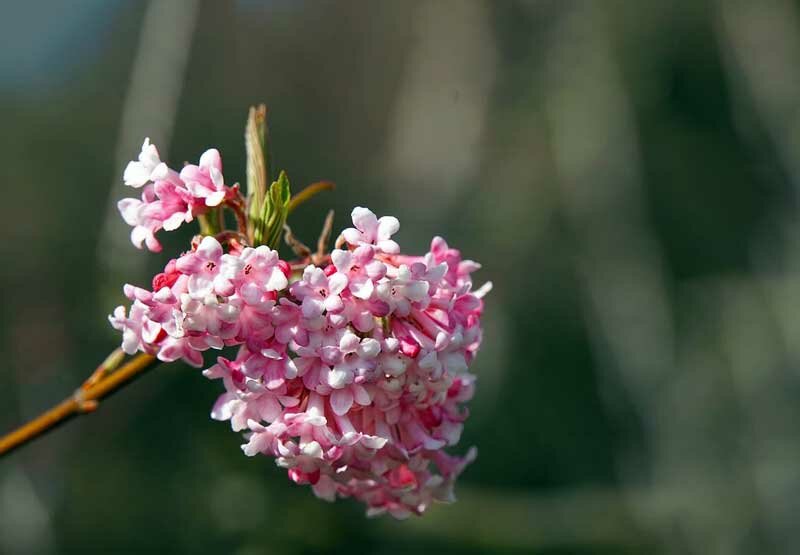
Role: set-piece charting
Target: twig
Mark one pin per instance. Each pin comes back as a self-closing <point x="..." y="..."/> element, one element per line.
<point x="324" y="237"/>
<point x="100" y="384"/>
<point x="237" y="206"/>
<point x="106" y="367"/>
<point x="228" y="236"/>
<point x="309" y="192"/>
<point x="339" y="242"/>
<point x="299" y="248"/>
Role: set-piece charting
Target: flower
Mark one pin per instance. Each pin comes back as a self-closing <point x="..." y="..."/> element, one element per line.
<point x="147" y="216"/>
<point x="148" y="168"/>
<point x="354" y="376"/>
<point x="355" y="363"/>
<point x="369" y="230"/>
<point x="319" y="292"/>
<point x="204" y="181"/>
<point x="361" y="269"/>
<point x="256" y="273"/>
<point x="169" y="198"/>
<point x="203" y="266"/>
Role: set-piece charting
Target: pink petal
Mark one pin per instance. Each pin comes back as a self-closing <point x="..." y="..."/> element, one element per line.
<point x="222" y="408"/>
<point x="389" y="247"/>
<point x="250" y="292"/>
<point x="369" y="348"/>
<point x="416" y="290"/>
<point x="362" y="287"/>
<point x="200" y="285"/>
<point x="341" y="400"/>
<point x="312" y="307"/>
<point x="336" y="283"/>
<point x="216" y="178"/>
<point x="211" y="159"/>
<point x="189" y="263"/>
<point x="214" y="199"/>
<point x="174" y="221"/>
<point x="152" y="243"/>
<point x="276" y="281"/>
<point x="160" y="172"/>
<point x="138" y="235"/>
<point x="136" y="174"/>
<point x="340" y="258"/>
<point x="333" y="303"/>
<point x="352" y="235"/>
<point x="210" y="249"/>
<point x="197" y="188"/>
<point x="338" y="377"/>
<point x="325" y="488"/>
<point x="268" y="408"/>
<point x="387" y="226"/>
<point x="365" y="221"/>
<point x="361" y="395"/>
<point x="349" y="342"/>
<point x="129" y="210"/>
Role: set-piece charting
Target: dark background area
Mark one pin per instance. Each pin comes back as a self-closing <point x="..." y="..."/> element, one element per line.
<point x="627" y="173"/>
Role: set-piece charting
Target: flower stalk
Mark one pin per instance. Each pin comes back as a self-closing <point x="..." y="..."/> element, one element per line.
<point x="351" y="368"/>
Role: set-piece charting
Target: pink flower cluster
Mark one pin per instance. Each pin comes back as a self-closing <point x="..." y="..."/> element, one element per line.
<point x="351" y="374"/>
<point x="170" y="198"/>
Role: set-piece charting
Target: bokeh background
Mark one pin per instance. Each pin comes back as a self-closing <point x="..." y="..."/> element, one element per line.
<point x="627" y="173"/>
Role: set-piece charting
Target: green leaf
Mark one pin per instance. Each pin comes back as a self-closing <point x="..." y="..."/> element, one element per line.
<point x="273" y="212"/>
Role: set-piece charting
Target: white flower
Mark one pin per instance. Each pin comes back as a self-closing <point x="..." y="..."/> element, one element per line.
<point x="148" y="168"/>
<point x="370" y="230"/>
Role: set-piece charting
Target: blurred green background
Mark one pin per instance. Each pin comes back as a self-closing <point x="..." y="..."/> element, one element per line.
<point x="627" y="173"/>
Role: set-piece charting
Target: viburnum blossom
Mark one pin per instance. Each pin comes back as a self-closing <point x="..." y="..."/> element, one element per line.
<point x="169" y="198"/>
<point x="369" y="230"/>
<point x="351" y="371"/>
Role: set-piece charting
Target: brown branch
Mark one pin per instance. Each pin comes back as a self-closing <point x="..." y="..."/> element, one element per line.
<point x="324" y="237"/>
<point x="300" y="250"/>
<point x="228" y="236"/>
<point x="104" y="381"/>
<point x="309" y="192"/>
<point x="237" y="206"/>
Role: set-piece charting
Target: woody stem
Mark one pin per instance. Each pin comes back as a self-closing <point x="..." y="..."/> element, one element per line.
<point x="101" y="384"/>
